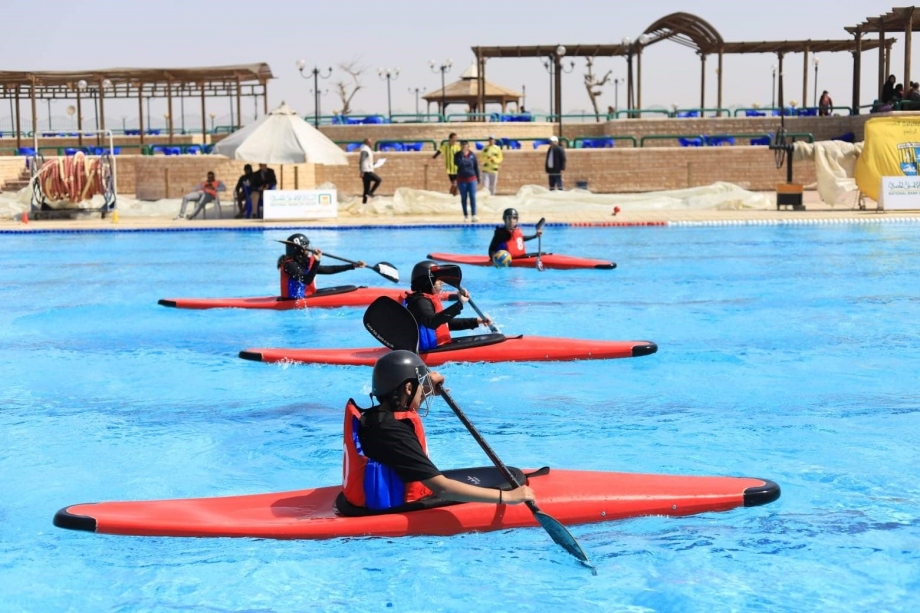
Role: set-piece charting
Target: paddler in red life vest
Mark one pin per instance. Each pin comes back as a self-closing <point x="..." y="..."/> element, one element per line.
<point x="424" y="302"/>
<point x="386" y="460"/>
<point x="300" y="265"/>
<point x="509" y="236"/>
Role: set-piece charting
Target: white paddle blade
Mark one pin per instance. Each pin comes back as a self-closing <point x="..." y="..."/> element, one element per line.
<point x="388" y="270"/>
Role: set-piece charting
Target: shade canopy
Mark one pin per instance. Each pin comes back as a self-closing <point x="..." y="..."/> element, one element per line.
<point x="281" y="137"/>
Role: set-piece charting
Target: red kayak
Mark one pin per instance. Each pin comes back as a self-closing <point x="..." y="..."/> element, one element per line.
<point x="528" y="260"/>
<point x="572" y="497"/>
<point x="478" y="348"/>
<point x="329" y="297"/>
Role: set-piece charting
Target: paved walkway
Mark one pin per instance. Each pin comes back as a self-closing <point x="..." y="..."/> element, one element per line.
<point x="816" y="212"/>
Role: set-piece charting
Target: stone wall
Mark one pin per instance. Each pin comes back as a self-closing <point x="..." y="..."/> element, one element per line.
<point x="604" y="170"/>
<point x="174" y="176"/>
<point x="823" y="128"/>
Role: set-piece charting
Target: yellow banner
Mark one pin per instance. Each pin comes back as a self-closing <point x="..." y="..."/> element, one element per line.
<point x="892" y="149"/>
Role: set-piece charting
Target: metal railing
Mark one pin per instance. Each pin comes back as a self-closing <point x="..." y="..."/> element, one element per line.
<point x="699" y="113"/>
<point x="577" y="143"/>
<point x="640" y="112"/>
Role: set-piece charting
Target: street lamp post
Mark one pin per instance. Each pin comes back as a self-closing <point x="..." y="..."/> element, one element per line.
<point x="816" y="61"/>
<point x="416" y="90"/>
<point x="49" y="114"/>
<point x="444" y="68"/>
<point x="317" y="75"/>
<point x="553" y="65"/>
<point x="773" y="92"/>
<point x="212" y="116"/>
<point x="390" y="74"/>
<point x="616" y="95"/>
<point x="523" y="98"/>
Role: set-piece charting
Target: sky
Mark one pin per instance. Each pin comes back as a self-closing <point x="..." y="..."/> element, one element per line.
<point x="406" y="34"/>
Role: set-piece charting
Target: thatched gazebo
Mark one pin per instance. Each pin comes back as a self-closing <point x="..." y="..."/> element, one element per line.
<point x="466" y="91"/>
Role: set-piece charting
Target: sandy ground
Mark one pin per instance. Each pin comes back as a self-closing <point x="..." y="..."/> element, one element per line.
<point x="815" y="210"/>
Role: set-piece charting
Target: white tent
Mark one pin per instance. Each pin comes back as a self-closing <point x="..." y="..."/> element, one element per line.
<point x="281" y="137"/>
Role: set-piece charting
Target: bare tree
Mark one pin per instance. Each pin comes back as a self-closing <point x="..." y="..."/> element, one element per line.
<point x="595" y="85"/>
<point x="348" y="88"/>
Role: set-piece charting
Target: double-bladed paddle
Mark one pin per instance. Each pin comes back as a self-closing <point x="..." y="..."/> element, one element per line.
<point x="452" y="275"/>
<point x="540" y="225"/>
<point x="384" y="269"/>
<point x="395" y="327"/>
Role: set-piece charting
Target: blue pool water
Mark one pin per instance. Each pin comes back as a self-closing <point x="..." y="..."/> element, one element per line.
<point x="786" y="352"/>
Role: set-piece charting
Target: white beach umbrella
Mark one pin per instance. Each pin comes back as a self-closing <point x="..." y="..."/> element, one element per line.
<point x="281" y="137"/>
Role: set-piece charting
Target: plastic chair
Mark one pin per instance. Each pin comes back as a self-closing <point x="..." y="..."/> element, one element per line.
<point x="352" y="147"/>
<point x="686" y="114"/>
<point x="540" y="142"/>
<point x="719" y="140"/>
<point x="70" y="150"/>
<point x="479" y="146"/>
<point x="413" y="146"/>
<point x="26" y="151"/>
<point x="173" y="151"/>
<point x="762" y="141"/>
<point x="391" y="147"/>
<point x="193" y="150"/>
<point x="511" y="144"/>
<point x="691" y="142"/>
<point x="754" y="114"/>
<point x="849" y="137"/>
<point x="812" y="112"/>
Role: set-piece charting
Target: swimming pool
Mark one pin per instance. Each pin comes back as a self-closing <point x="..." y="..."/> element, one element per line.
<point x="786" y="352"/>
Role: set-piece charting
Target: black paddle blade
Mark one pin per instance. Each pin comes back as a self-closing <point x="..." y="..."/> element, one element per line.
<point x="386" y="270"/>
<point x="391" y="324"/>
<point x="541" y="223"/>
<point x="562" y="537"/>
<point x="448" y="273"/>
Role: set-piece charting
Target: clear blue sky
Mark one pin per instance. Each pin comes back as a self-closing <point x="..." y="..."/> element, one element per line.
<point x="94" y="34"/>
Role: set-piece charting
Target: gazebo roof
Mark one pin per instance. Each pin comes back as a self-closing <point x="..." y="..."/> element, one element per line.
<point x="467" y="89"/>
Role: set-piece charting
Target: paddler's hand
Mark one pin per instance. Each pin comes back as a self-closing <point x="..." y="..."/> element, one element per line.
<point x="463" y="296"/>
<point x="484" y="321"/>
<point x="360" y="264"/>
<point x="540" y="232"/>
<point x="518" y="495"/>
<point x="318" y="253"/>
<point x="437" y="380"/>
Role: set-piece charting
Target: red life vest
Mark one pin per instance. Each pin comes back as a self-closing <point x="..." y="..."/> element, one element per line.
<point x="515" y="244"/>
<point x="287" y="281"/>
<point x="210" y="188"/>
<point x="354" y="462"/>
<point x="428" y="338"/>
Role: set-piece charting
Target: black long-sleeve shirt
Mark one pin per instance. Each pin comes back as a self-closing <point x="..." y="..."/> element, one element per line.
<point x="299" y="270"/>
<point x="422" y="309"/>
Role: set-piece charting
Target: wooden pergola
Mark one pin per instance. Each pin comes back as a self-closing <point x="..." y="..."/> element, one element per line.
<point x="898" y="20"/>
<point x="684" y="29"/>
<point x="249" y="80"/>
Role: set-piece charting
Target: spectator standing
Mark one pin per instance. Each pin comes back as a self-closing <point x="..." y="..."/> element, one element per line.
<point x="825" y="104"/>
<point x="555" y="163"/>
<point x="242" y="190"/>
<point x="888" y="90"/>
<point x="368" y="177"/>
<point x="263" y="180"/>
<point x="449" y="150"/>
<point x="492" y="158"/>
<point x="467" y="177"/>
<point x="205" y="192"/>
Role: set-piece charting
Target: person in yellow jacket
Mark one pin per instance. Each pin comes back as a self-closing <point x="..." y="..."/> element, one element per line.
<point x="448" y="149"/>
<point x="492" y="158"/>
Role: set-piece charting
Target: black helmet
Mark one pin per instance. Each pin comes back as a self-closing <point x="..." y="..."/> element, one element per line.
<point x="510" y="213"/>
<point x="394" y="369"/>
<point x="426" y="273"/>
<point x="296" y="244"/>
<point x="422" y="278"/>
